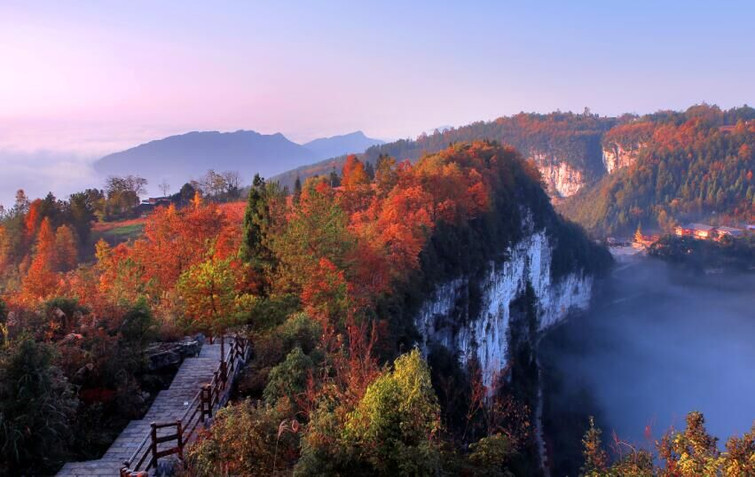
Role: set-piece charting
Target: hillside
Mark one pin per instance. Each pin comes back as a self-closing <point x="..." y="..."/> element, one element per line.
<point x="178" y="159"/>
<point x="610" y="174"/>
<point x="345" y="275"/>
<point x="673" y="168"/>
<point x="566" y="147"/>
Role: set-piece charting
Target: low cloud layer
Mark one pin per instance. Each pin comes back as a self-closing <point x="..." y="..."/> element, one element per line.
<point x="38" y="173"/>
<point x="659" y="345"/>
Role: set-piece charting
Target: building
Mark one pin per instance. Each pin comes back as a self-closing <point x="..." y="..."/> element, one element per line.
<point x="156" y="201"/>
<point x="729" y="231"/>
<point x="699" y="231"/>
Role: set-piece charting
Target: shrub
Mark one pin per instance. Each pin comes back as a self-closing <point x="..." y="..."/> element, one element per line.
<point x="37" y="405"/>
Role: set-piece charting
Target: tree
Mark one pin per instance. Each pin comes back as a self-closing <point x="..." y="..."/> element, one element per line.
<point x="123" y="194"/>
<point x="83" y="208"/>
<point x="186" y="194"/>
<point x="41" y="280"/>
<point x="65" y="258"/>
<point x="317" y="229"/>
<point x="137" y="330"/>
<point x="289" y="378"/>
<point x="297" y="190"/>
<point x="691" y="452"/>
<point x="37" y="405"/>
<point x="164" y="187"/>
<point x="221" y="186"/>
<point x="259" y="222"/>
<point x="256" y="215"/>
<point x="385" y="176"/>
<point x="208" y="290"/>
<point x="596" y="459"/>
<point x="638" y="237"/>
<point x="325" y="296"/>
<point x="353" y="173"/>
<point x="21" y="205"/>
<point x="490" y="454"/>
<point x="391" y="432"/>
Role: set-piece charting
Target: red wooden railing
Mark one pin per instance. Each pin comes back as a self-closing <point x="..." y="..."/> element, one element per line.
<point x="208" y="399"/>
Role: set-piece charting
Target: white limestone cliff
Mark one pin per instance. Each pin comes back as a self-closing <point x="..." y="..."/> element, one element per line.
<point x="616" y="156"/>
<point x="444" y="318"/>
<point x="561" y="179"/>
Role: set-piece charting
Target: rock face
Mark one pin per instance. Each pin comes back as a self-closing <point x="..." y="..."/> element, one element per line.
<point x="616" y="156"/>
<point x="165" y="355"/>
<point x="561" y="178"/>
<point x="482" y="331"/>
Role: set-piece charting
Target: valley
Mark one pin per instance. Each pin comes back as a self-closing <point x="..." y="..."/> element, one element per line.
<point x="656" y="343"/>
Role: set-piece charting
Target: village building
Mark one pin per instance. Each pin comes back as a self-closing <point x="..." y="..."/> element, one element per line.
<point x="148" y="205"/>
<point x="699" y="231"/>
<point x="729" y="231"/>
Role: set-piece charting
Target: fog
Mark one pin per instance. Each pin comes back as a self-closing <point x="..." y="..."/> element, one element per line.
<point x="657" y="344"/>
<point x="38" y="173"/>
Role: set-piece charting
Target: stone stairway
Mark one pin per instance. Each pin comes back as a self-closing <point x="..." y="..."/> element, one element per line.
<point x="170" y="405"/>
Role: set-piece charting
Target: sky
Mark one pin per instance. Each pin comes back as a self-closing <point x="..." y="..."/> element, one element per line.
<point x="79" y="80"/>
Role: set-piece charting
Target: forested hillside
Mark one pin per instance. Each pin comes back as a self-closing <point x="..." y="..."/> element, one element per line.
<point x="548" y="139"/>
<point x="657" y="170"/>
<point x="681" y="167"/>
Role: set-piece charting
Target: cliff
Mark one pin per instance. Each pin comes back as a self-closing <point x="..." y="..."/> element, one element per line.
<point x="623" y="144"/>
<point x="560" y="177"/>
<point x="482" y="330"/>
<point x="616" y="155"/>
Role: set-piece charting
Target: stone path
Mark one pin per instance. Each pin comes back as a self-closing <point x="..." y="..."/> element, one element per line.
<point x="169" y="406"/>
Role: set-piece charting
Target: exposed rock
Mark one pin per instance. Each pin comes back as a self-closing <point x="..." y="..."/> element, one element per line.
<point x="445" y="318"/>
<point x="165" y="355"/>
<point x="561" y="179"/>
<point x="616" y="156"/>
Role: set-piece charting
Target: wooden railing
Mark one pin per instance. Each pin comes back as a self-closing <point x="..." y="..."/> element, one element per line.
<point x="208" y="399"/>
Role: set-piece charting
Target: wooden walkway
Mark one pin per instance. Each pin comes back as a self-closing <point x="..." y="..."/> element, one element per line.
<point x="169" y="406"/>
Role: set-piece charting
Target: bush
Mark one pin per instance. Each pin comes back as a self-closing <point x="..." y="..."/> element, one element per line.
<point x="489" y="455"/>
<point x="392" y="431"/>
<point x="247" y="439"/>
<point x="289" y="378"/>
<point x="37" y="405"/>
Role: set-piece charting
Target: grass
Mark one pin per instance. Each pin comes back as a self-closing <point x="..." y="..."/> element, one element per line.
<point x="117" y="232"/>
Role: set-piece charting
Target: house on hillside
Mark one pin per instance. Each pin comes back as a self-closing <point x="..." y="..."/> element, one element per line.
<point x="157" y="201"/>
<point x="698" y="231"/>
<point x="148" y="205"/>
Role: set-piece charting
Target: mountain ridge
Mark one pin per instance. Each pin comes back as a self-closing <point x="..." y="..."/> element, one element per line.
<point x="183" y="157"/>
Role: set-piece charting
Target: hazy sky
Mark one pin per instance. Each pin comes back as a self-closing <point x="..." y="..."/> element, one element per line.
<point x="87" y="78"/>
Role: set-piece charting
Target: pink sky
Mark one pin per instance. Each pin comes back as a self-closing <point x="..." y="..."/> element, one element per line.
<point x="82" y="79"/>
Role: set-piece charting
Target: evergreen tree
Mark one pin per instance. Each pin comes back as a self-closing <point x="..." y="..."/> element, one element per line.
<point x="257" y="223"/>
<point x="297" y="190"/>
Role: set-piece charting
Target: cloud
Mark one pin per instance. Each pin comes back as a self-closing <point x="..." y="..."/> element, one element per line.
<point x="40" y="172"/>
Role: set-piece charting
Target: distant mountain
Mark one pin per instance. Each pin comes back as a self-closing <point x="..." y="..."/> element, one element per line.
<point x="355" y="142"/>
<point x="178" y="159"/>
